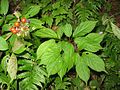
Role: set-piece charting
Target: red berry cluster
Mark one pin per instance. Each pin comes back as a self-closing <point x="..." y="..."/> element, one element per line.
<point x="19" y="26"/>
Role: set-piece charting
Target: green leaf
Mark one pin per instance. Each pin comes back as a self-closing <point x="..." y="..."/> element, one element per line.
<point x="1" y="69"/>
<point x="24" y="62"/>
<point x="75" y="58"/>
<point x="94" y="83"/>
<point x="68" y="54"/>
<point x="55" y="60"/>
<point x="23" y="75"/>
<point x="59" y="18"/>
<point x="18" y="47"/>
<point x="55" y="66"/>
<point x="52" y="58"/>
<point x="96" y="37"/>
<point x="94" y="61"/>
<point x="56" y="5"/>
<point x="115" y="30"/>
<point x="12" y="67"/>
<point x="12" y="39"/>
<point x="44" y="47"/>
<point x="82" y="70"/>
<point x="84" y="28"/>
<point x="35" y="23"/>
<point x="47" y="19"/>
<point x="33" y="10"/>
<point x="62" y="84"/>
<point x="25" y="65"/>
<point x="32" y="78"/>
<point x="51" y="54"/>
<point x="59" y="32"/>
<point x="63" y="70"/>
<point x="10" y="17"/>
<point x="59" y="11"/>
<point x="4" y="6"/>
<point x="3" y="44"/>
<point x="4" y="62"/>
<point x="6" y="27"/>
<point x="1" y="21"/>
<point x="4" y="79"/>
<point x="46" y="33"/>
<point x="67" y="29"/>
<point x="90" y="43"/>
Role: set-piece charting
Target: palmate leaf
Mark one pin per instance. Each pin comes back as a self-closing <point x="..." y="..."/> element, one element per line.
<point x="50" y="54"/>
<point x="32" y="77"/>
<point x="67" y="55"/>
<point x="75" y="57"/>
<point x="63" y="70"/>
<point x="52" y="58"/>
<point x="90" y="43"/>
<point x="84" y="28"/>
<point x="82" y="70"/>
<point x="43" y="47"/>
<point x="55" y="66"/>
<point x="88" y="60"/>
<point x="93" y="61"/>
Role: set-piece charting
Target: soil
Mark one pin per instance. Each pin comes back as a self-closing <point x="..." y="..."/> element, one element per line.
<point x="115" y="10"/>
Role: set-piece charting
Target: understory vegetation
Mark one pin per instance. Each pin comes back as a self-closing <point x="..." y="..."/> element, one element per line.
<point x="58" y="45"/>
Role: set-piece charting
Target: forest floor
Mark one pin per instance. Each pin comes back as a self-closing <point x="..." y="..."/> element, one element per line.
<point x="115" y="10"/>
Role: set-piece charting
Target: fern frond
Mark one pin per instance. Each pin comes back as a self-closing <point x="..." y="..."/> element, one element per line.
<point x="87" y="10"/>
<point x="32" y="77"/>
<point x="83" y="14"/>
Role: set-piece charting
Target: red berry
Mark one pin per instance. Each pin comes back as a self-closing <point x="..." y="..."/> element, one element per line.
<point x="23" y="20"/>
<point x="13" y="30"/>
<point x="17" y="24"/>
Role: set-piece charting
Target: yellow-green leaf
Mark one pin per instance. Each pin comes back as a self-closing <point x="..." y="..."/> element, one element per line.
<point x="3" y="44"/>
<point x="12" y="67"/>
<point x="115" y="30"/>
<point x="46" y="33"/>
<point x="94" y="61"/>
<point x="4" y="6"/>
<point x="84" y="28"/>
<point x="82" y="70"/>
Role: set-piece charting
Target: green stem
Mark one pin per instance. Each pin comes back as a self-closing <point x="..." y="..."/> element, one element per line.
<point x="8" y="88"/>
